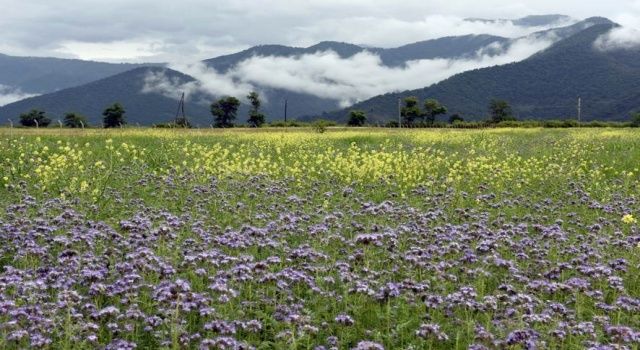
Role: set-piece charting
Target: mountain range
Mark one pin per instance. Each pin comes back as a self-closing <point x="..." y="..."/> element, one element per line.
<point x="127" y="86"/>
<point x="545" y="85"/>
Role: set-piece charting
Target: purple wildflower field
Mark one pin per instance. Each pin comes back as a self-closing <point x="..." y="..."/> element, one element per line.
<point x="511" y="239"/>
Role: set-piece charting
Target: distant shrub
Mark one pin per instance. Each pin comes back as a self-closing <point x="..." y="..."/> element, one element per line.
<point x="282" y="124"/>
<point x="635" y="120"/>
<point x="455" y="118"/>
<point x="391" y="124"/>
<point x="180" y="123"/>
<point x="75" y="120"/>
<point x="162" y="126"/>
<point x="320" y="125"/>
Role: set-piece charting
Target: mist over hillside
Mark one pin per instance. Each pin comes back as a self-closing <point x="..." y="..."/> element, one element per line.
<point x="544" y="86"/>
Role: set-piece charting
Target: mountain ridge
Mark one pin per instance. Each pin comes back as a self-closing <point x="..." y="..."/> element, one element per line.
<point x="107" y="90"/>
<point x="544" y="86"/>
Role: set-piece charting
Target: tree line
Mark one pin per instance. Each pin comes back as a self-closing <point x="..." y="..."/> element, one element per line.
<point x="225" y="110"/>
<point x="113" y="117"/>
<point x="412" y="114"/>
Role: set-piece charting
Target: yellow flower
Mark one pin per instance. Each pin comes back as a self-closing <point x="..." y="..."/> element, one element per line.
<point x="629" y="219"/>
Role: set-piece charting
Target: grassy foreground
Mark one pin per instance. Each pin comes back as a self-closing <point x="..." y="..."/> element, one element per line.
<point x="290" y="239"/>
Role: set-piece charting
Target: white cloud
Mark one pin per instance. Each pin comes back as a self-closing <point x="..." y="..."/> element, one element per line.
<point x="327" y="75"/>
<point x="10" y="95"/>
<point x="619" y="38"/>
<point x="625" y="37"/>
<point x="207" y="81"/>
<point x="391" y="32"/>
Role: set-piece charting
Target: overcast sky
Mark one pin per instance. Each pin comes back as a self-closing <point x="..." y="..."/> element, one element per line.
<point x="163" y="30"/>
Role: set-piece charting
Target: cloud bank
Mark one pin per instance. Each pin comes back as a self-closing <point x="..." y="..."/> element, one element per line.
<point x="327" y="75"/>
<point x="165" y="31"/>
<point x="9" y="95"/>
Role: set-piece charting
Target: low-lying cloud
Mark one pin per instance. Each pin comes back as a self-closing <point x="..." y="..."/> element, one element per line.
<point x="627" y="36"/>
<point x="10" y="95"/>
<point x="619" y="38"/>
<point x="327" y="75"/>
<point x="390" y="32"/>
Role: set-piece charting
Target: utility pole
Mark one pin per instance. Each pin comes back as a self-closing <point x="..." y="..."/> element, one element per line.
<point x="286" y="102"/>
<point x="399" y="113"/>
<point x="181" y="111"/>
<point x="579" y="109"/>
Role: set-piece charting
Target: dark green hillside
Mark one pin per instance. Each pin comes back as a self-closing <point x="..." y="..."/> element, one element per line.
<point x="42" y="75"/>
<point x="126" y="88"/>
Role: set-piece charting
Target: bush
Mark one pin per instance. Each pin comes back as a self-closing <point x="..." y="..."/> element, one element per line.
<point x="282" y="124"/>
<point x="320" y="125"/>
<point x="455" y="118"/>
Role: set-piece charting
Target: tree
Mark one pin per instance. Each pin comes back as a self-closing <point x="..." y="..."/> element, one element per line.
<point x="635" y="120"/>
<point x="224" y="111"/>
<point x="432" y="109"/>
<point x="455" y="118"/>
<point x="75" y="120"/>
<point x="357" y="118"/>
<point x="114" y="116"/>
<point x="500" y="111"/>
<point x="35" y="117"/>
<point x="256" y="119"/>
<point x="410" y="112"/>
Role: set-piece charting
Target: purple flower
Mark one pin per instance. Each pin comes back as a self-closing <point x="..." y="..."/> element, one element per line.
<point x="431" y="331"/>
<point x="344" y="320"/>
<point x="368" y="345"/>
